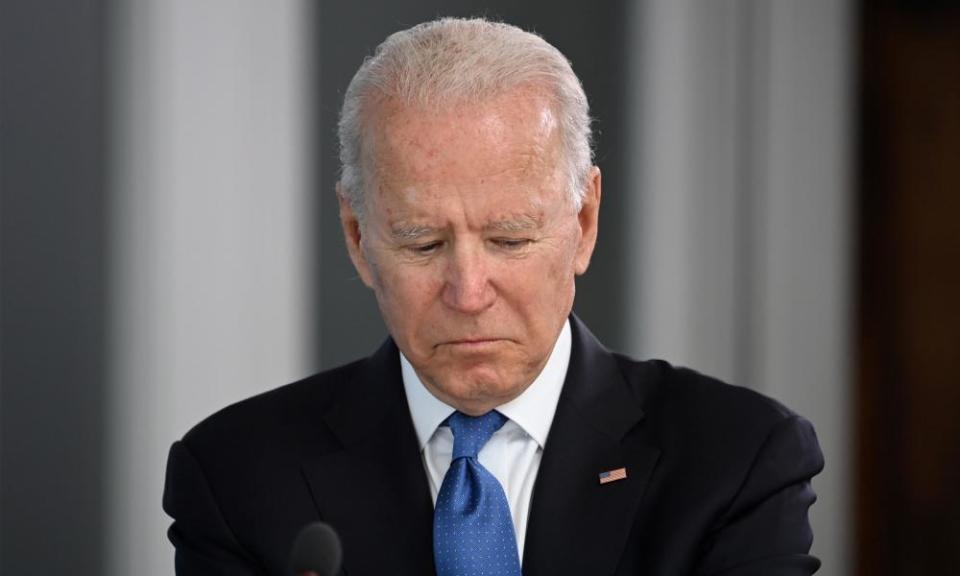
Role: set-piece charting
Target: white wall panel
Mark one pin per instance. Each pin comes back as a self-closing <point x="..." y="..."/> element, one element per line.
<point x="212" y="116"/>
<point x="741" y="197"/>
<point x="804" y="332"/>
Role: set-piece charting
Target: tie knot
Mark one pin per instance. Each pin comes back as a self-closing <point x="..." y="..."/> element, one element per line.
<point x="470" y="433"/>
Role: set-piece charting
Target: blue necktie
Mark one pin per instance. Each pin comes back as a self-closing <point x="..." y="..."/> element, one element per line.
<point x="472" y="526"/>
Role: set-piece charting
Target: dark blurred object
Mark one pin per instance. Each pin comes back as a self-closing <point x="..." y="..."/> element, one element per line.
<point x="908" y="509"/>
<point x="316" y="551"/>
<point x="916" y="7"/>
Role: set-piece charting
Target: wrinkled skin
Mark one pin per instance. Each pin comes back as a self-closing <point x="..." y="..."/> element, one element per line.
<point x="470" y="242"/>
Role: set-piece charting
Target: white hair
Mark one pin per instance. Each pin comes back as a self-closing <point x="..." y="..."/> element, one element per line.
<point x="450" y="61"/>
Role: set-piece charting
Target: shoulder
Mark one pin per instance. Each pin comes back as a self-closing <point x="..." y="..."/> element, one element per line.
<point x="679" y="401"/>
<point x="278" y="419"/>
<point x="692" y="413"/>
<point x="665" y="386"/>
<point x="242" y="455"/>
<point x="235" y="481"/>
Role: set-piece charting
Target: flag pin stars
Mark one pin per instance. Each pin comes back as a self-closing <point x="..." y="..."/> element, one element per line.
<point x="613" y="475"/>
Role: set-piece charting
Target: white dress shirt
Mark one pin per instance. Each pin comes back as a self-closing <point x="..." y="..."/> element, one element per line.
<point x="513" y="453"/>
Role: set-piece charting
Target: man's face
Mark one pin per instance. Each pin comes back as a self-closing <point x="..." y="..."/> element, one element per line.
<point x="471" y="243"/>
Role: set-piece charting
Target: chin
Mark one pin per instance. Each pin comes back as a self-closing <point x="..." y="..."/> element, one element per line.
<point x="480" y="385"/>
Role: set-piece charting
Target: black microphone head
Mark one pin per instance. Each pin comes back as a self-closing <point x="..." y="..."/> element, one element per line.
<point x="316" y="549"/>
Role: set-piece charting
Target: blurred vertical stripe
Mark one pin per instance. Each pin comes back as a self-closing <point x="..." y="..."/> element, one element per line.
<point x="54" y="299"/>
<point x="741" y="256"/>
<point x="211" y="249"/>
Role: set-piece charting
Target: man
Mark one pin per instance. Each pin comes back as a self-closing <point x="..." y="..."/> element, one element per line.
<point x="491" y="430"/>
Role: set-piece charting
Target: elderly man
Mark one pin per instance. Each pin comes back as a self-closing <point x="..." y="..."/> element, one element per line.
<point x="491" y="432"/>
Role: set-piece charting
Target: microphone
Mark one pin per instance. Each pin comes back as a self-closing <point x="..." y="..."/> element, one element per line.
<point x="316" y="551"/>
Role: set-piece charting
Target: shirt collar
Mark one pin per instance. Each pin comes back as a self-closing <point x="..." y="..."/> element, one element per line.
<point x="532" y="410"/>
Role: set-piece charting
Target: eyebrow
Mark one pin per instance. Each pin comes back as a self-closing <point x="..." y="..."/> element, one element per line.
<point x="523" y="223"/>
<point x="411" y="231"/>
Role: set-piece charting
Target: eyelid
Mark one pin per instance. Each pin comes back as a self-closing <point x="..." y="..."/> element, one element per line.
<point x="511" y="242"/>
<point x="424" y="247"/>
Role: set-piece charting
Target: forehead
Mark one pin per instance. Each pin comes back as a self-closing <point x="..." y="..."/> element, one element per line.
<point x="512" y="136"/>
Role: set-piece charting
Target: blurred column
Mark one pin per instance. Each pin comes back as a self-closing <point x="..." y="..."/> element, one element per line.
<point x="689" y="84"/>
<point x="211" y="243"/>
<point x="802" y="337"/>
<point x="53" y="285"/>
<point x="741" y="261"/>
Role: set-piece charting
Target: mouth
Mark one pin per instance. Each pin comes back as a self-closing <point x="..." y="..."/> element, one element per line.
<point x="473" y="343"/>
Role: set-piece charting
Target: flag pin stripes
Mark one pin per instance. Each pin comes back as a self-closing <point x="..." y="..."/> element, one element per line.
<point x="613" y="475"/>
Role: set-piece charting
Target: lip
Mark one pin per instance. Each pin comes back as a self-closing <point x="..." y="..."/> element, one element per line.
<point x="473" y="342"/>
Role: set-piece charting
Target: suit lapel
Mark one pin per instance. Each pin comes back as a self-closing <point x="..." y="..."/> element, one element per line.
<point x="374" y="491"/>
<point x="577" y="525"/>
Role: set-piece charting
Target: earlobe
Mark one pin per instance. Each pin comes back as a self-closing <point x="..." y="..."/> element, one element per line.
<point x="588" y="217"/>
<point x="353" y="236"/>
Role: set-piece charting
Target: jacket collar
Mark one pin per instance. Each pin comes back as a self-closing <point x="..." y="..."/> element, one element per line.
<point x="374" y="490"/>
<point x="578" y="525"/>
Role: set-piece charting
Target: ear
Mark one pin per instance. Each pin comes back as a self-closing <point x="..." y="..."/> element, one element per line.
<point x="589" y="220"/>
<point x="352" y="234"/>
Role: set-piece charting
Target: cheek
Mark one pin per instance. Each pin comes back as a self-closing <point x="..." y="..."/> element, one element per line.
<point x="404" y="291"/>
<point x="559" y="267"/>
<point x="553" y="283"/>
<point x="538" y="286"/>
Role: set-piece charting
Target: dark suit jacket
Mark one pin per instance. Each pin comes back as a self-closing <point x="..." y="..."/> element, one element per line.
<point x="718" y="477"/>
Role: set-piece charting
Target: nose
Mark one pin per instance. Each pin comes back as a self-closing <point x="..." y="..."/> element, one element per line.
<point x="467" y="287"/>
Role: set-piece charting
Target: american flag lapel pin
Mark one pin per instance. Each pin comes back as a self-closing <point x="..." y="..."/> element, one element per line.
<point x="613" y="475"/>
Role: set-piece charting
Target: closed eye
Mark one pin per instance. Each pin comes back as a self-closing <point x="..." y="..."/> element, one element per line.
<point x="425" y="249"/>
<point x="511" y="243"/>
